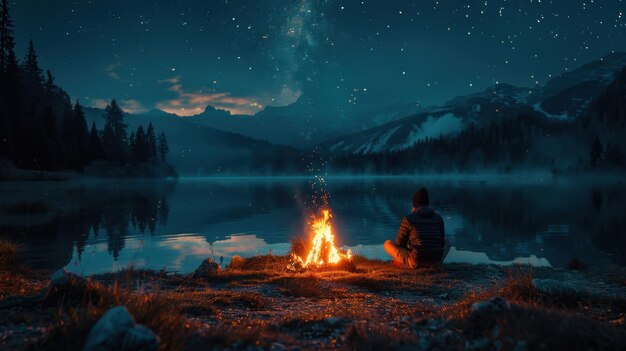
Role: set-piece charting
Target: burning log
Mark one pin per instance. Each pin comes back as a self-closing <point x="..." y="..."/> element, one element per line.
<point x="323" y="252"/>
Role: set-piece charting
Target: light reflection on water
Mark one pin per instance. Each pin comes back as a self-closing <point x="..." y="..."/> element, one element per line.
<point x="184" y="252"/>
<point x="94" y="228"/>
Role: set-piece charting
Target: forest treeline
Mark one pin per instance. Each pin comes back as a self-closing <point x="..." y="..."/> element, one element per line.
<point x="40" y="128"/>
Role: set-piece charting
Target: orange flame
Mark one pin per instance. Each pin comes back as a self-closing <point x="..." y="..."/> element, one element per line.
<point x="323" y="248"/>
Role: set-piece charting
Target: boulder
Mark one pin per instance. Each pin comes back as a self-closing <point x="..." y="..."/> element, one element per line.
<point x="140" y="338"/>
<point x="108" y="333"/>
<point x="207" y="269"/>
<point x="116" y="330"/>
<point x="493" y="305"/>
<point x="63" y="278"/>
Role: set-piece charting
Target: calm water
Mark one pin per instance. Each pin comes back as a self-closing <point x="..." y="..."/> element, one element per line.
<point x="104" y="226"/>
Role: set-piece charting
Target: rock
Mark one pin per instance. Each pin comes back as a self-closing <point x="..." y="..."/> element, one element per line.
<point x="207" y="269"/>
<point x="63" y="278"/>
<point x="556" y="287"/>
<point x="140" y="338"/>
<point x="493" y="305"/>
<point x="108" y="333"/>
<point x="116" y="330"/>
<point x="236" y="262"/>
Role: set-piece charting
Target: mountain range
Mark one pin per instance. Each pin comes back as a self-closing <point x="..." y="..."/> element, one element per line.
<point x="564" y="97"/>
<point x="215" y="141"/>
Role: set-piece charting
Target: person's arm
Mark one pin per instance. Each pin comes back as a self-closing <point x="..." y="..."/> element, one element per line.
<point x="403" y="233"/>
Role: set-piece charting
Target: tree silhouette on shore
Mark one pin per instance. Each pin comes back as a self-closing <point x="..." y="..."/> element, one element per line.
<point x="40" y="128"/>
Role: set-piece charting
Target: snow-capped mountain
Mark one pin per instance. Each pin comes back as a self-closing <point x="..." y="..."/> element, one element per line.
<point x="566" y="96"/>
<point x="400" y="134"/>
<point x="571" y="93"/>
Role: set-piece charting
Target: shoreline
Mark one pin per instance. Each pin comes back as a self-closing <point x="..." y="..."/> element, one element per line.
<point x="534" y="176"/>
<point x="256" y="303"/>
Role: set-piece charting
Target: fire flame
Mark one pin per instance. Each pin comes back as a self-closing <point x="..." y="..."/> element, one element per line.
<point x="323" y="250"/>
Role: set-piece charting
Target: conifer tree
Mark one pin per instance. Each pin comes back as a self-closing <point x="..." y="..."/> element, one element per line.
<point x="7" y="42"/>
<point x="8" y="61"/>
<point x="163" y="147"/>
<point x="132" y="143"/>
<point x="115" y="139"/>
<point x="94" y="146"/>
<point x="50" y="86"/>
<point x="80" y="135"/>
<point x="151" y="141"/>
<point x="141" y="145"/>
<point x="30" y="68"/>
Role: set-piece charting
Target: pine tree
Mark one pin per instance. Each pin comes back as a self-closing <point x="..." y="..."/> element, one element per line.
<point x="33" y="79"/>
<point x="151" y="142"/>
<point x="141" y="145"/>
<point x="80" y="136"/>
<point x="50" y="152"/>
<point x="50" y="86"/>
<point x="163" y="147"/>
<point x="132" y="143"/>
<point x="8" y="61"/>
<point x="12" y="127"/>
<point x="7" y="42"/>
<point x="94" y="146"/>
<point x="115" y="139"/>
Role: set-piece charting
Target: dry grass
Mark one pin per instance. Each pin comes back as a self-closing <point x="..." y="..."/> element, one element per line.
<point x="207" y="302"/>
<point x="377" y="336"/>
<point x="564" y="322"/>
<point x="541" y="328"/>
<point x="14" y="279"/>
<point x="308" y="285"/>
<point x="80" y="304"/>
<point x="259" y="303"/>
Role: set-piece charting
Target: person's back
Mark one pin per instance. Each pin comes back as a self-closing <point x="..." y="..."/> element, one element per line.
<point x="425" y="234"/>
<point x="421" y="237"/>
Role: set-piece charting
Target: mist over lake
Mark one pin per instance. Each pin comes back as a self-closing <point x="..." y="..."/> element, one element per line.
<point x="96" y="227"/>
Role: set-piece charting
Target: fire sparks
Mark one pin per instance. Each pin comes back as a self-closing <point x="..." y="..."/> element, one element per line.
<point x="323" y="250"/>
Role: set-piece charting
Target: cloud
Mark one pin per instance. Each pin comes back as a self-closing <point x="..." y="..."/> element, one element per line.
<point x="128" y="105"/>
<point x="110" y="70"/>
<point x="132" y="106"/>
<point x="189" y="103"/>
<point x="98" y="103"/>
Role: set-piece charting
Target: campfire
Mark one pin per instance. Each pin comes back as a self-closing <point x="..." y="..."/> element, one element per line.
<point x="322" y="252"/>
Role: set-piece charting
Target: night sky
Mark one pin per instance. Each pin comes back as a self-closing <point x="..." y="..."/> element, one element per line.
<point x="181" y="55"/>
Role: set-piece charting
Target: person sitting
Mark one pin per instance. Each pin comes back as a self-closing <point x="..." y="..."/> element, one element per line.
<point x="421" y="237"/>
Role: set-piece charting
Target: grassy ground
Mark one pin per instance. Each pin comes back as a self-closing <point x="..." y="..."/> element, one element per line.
<point x="259" y="304"/>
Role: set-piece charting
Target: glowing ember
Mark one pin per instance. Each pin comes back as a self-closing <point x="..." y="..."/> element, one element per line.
<point x="323" y="250"/>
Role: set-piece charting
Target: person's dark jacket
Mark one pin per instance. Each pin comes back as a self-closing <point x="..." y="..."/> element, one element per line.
<point x="422" y="231"/>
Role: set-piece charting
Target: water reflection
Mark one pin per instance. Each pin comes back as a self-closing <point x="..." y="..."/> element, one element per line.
<point x="103" y="226"/>
<point x="184" y="252"/>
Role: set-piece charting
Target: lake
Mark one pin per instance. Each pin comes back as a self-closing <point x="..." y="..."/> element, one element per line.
<point x="101" y="226"/>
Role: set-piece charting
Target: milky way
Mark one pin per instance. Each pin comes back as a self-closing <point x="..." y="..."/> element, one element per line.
<point x="243" y="55"/>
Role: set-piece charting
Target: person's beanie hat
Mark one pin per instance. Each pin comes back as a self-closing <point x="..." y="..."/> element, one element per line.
<point x="420" y="198"/>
